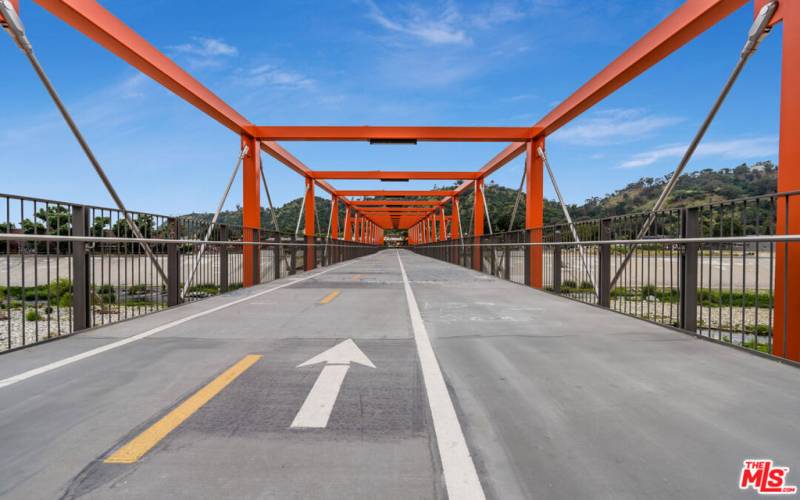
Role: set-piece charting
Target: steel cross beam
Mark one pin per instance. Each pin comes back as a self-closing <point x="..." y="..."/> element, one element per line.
<point x="687" y="22"/>
<point x="368" y="203"/>
<point x="369" y="133"/>
<point x="367" y="192"/>
<point x="392" y="175"/>
<point x="100" y="25"/>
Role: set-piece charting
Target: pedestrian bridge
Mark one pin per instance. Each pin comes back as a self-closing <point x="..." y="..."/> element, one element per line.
<point x="389" y="348"/>
<point x="455" y="379"/>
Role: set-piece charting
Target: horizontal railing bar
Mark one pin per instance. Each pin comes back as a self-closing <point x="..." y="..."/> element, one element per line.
<point x="779" y="238"/>
<point x="163" y="241"/>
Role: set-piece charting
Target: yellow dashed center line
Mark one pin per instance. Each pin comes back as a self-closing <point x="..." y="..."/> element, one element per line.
<point x="144" y="442"/>
<point x="330" y="296"/>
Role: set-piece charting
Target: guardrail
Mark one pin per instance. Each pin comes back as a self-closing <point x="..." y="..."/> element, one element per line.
<point x="708" y="269"/>
<point x="66" y="267"/>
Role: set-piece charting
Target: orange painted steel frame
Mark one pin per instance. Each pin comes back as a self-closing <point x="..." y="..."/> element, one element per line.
<point x="366" y="133"/>
<point x="392" y="175"/>
<point x="311" y="209"/>
<point x="787" y="292"/>
<point x="534" y="209"/>
<point x="251" y="211"/>
<point x="684" y="24"/>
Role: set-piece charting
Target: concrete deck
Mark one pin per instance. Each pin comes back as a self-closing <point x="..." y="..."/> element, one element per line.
<point x="556" y="399"/>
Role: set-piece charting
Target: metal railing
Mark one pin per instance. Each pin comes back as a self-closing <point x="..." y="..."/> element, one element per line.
<point x="708" y="269"/>
<point x="66" y="267"/>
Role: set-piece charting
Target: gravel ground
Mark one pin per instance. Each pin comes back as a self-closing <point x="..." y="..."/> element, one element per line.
<point x="57" y="323"/>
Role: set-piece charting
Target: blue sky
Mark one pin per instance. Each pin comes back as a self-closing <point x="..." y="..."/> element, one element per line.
<point x="373" y="62"/>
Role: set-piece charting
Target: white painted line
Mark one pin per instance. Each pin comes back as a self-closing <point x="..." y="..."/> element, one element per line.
<point x="317" y="408"/>
<point x="460" y="476"/>
<point x="99" y="350"/>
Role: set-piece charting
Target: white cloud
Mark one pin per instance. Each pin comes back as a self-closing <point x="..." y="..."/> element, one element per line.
<point x="270" y="75"/>
<point x="614" y="126"/>
<point x="205" y="52"/>
<point x="442" y="28"/>
<point x="498" y="13"/>
<point x="735" y="149"/>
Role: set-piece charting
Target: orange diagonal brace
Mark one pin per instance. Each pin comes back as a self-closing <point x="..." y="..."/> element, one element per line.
<point x="91" y="19"/>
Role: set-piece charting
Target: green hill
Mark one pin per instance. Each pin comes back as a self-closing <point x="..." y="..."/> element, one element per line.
<point x="695" y="188"/>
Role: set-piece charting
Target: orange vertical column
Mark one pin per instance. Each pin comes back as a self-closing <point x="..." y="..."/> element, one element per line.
<point x="478" y="223"/>
<point x="348" y="224"/>
<point x="455" y="226"/>
<point x="334" y="217"/>
<point x="534" y="209"/>
<point x="442" y="225"/>
<point x="251" y="210"/>
<point x="786" y="327"/>
<point x="310" y="224"/>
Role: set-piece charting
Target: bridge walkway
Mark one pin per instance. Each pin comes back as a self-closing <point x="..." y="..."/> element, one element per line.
<point x="551" y="398"/>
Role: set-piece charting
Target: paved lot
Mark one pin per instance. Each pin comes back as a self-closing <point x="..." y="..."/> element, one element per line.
<point x="553" y="399"/>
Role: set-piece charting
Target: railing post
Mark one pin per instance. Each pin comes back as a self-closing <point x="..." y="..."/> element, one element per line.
<point x="224" y="280"/>
<point x="604" y="278"/>
<point x="81" y="285"/>
<point x="277" y="255"/>
<point x="507" y="257"/>
<point x="557" y="264"/>
<point x="254" y="255"/>
<point x="293" y="256"/>
<point x="527" y="258"/>
<point x="690" y="228"/>
<point x="493" y="258"/>
<point x="173" y="265"/>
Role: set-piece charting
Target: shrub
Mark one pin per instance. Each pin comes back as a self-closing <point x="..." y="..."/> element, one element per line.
<point x="33" y="315"/>
<point x="137" y="289"/>
<point x="65" y="300"/>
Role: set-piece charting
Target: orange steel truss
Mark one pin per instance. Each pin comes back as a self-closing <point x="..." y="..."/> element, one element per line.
<point x="366" y="220"/>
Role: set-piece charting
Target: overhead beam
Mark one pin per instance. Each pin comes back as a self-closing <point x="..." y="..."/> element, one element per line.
<point x="368" y="203"/>
<point x="392" y="175"/>
<point x="100" y="25"/>
<point x="282" y="155"/>
<point x="686" y="23"/>
<point x="91" y="19"/>
<point x="369" y="133"/>
<point x="363" y="192"/>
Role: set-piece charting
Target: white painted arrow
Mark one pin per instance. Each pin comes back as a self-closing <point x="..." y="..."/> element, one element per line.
<point x="317" y="408"/>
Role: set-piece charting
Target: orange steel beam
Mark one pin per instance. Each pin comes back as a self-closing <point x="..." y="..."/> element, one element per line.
<point x="251" y="211"/>
<point x="392" y="175"/>
<point x="91" y="19"/>
<point x="367" y="203"/>
<point x="683" y="25"/>
<point x="100" y="25"/>
<point x="282" y="155"/>
<point x="786" y="325"/>
<point x="393" y="210"/>
<point x="687" y="22"/>
<point x="366" y="192"/>
<point x="366" y="133"/>
<point x="534" y="209"/>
